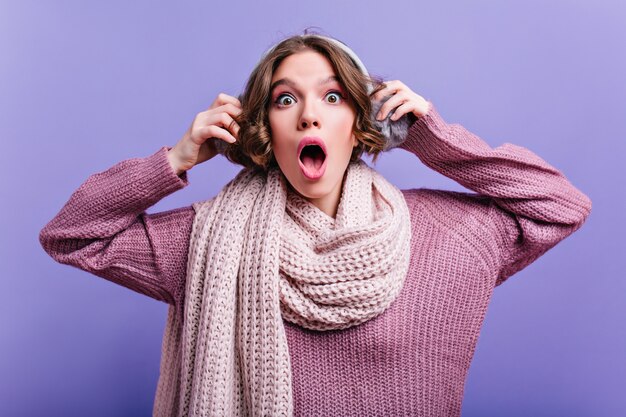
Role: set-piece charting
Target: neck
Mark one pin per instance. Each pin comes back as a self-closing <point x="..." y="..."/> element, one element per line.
<point x="328" y="203"/>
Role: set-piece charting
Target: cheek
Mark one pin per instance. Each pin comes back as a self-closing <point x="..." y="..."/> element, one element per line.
<point x="346" y="126"/>
<point x="278" y="123"/>
<point x="281" y="147"/>
<point x="275" y="131"/>
<point x="347" y="120"/>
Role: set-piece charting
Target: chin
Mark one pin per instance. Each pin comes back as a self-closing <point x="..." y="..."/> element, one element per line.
<point x="313" y="191"/>
<point x="328" y="186"/>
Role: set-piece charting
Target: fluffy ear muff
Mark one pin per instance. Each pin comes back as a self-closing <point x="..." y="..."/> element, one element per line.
<point x="394" y="131"/>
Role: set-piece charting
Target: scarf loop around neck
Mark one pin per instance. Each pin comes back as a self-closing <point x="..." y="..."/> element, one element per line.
<point x="260" y="254"/>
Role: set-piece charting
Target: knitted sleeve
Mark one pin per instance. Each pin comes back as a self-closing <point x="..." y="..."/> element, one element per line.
<point x="533" y="206"/>
<point x="103" y="228"/>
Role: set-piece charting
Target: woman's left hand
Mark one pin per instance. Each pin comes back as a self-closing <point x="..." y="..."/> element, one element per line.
<point x="403" y="99"/>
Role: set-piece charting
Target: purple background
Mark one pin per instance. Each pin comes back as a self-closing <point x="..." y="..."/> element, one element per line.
<point x="85" y="86"/>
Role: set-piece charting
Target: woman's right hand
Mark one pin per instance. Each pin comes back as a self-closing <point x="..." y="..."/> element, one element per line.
<point x="197" y="146"/>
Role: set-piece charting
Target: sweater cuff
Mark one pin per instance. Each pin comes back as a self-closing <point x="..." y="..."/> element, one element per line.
<point x="425" y="127"/>
<point x="160" y="177"/>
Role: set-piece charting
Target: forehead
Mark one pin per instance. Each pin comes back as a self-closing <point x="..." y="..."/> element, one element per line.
<point x="304" y="65"/>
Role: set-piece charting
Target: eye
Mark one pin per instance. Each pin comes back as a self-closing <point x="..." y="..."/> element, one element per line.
<point x="284" y="100"/>
<point x="334" y="97"/>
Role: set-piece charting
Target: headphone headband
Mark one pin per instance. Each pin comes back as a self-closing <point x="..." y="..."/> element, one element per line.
<point x="345" y="48"/>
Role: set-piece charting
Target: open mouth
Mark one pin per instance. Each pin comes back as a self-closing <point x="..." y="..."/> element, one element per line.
<point x="312" y="157"/>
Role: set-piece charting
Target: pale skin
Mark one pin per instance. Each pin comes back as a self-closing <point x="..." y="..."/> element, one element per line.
<point x="308" y="101"/>
<point x="306" y="108"/>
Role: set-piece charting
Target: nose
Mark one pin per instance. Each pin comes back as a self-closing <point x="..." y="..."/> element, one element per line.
<point x="309" y="117"/>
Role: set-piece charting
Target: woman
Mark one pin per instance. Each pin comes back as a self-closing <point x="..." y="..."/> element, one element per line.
<point x="310" y="285"/>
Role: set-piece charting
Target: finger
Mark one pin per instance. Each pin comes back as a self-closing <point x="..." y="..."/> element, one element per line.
<point x="213" y="131"/>
<point x="231" y="109"/>
<point x="234" y="128"/>
<point x="225" y="121"/>
<point x="393" y="102"/>
<point x="228" y="99"/>
<point x="382" y="93"/>
<point x="228" y="108"/>
<point x="416" y="104"/>
<point x="403" y="109"/>
<point x="395" y="85"/>
<point x="222" y="99"/>
<point x="391" y="87"/>
<point x="208" y="116"/>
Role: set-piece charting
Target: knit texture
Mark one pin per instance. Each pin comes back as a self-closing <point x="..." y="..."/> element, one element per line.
<point x="411" y="360"/>
<point x="260" y="253"/>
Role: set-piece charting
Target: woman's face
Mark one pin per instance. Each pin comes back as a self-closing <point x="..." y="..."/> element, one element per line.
<point x="311" y="122"/>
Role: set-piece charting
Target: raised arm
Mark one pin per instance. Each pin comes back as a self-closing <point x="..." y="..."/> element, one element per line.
<point x="531" y="204"/>
<point x="535" y="205"/>
<point x="103" y="228"/>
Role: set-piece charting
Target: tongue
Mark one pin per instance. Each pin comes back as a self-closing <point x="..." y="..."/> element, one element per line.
<point x="313" y="158"/>
<point x="312" y="162"/>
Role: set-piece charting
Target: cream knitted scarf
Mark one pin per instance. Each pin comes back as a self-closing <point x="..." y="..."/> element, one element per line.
<point x="258" y="254"/>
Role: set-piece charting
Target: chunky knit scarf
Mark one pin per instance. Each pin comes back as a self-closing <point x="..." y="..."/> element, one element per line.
<point x="259" y="253"/>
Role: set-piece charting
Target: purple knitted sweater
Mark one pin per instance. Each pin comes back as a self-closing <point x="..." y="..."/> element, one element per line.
<point x="412" y="360"/>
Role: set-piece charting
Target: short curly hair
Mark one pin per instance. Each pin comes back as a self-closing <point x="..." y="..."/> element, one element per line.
<point x="254" y="146"/>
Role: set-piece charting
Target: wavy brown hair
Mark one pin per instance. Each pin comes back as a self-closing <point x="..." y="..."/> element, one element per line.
<point x="254" y="147"/>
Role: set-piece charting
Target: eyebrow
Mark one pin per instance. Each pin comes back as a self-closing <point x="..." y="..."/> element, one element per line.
<point x="287" y="81"/>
